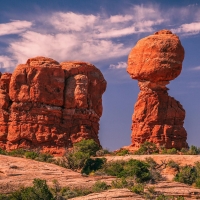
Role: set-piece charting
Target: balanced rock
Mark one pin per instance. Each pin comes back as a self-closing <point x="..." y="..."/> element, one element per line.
<point x="157" y="117"/>
<point x="50" y="106"/>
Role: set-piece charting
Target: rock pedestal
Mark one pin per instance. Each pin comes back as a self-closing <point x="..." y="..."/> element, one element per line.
<point x="158" y="118"/>
<point x="45" y="105"/>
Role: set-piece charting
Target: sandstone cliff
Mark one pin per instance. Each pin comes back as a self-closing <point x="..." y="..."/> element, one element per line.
<point x="49" y="105"/>
<point x="158" y="118"/>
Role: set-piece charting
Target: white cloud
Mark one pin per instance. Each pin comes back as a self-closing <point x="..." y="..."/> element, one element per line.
<point x="195" y="68"/>
<point x="93" y="38"/>
<point x="65" y="47"/>
<point x="75" y="36"/>
<point x="119" y="65"/>
<point x="121" y="18"/>
<point x="14" y="27"/>
<point x="7" y="63"/>
<point x="193" y="28"/>
<point x="72" y="21"/>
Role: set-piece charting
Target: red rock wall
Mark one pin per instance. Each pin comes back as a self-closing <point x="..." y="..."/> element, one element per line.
<point x="157" y="117"/>
<point x="50" y="105"/>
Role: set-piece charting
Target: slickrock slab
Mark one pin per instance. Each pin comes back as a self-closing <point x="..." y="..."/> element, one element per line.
<point x="17" y="172"/>
<point x="157" y="117"/>
<point x="119" y="194"/>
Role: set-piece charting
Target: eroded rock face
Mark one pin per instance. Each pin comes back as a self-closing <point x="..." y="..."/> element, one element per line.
<point x="48" y="105"/>
<point x="157" y="117"/>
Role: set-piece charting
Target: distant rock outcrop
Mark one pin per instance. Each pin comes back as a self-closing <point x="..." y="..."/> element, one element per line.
<point x="50" y="105"/>
<point x="154" y="61"/>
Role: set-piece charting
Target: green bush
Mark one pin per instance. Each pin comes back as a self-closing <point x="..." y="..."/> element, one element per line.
<point x="184" y="151"/>
<point x="171" y="151"/>
<point x="119" y="183"/>
<point x="187" y="175"/>
<point x="102" y="152"/>
<point x="122" y="152"/>
<point x="31" y="155"/>
<point x="193" y="150"/>
<point x="2" y="152"/>
<point x="39" y="191"/>
<point x="173" y="164"/>
<point x="147" y="148"/>
<point x="154" y="172"/>
<point x="113" y="168"/>
<point x="139" y="170"/>
<point x="76" y="159"/>
<point x="17" y="153"/>
<point x="87" y="146"/>
<point x="99" y="186"/>
<point x="92" y="165"/>
<point x="44" y="157"/>
<point x="138" y="188"/>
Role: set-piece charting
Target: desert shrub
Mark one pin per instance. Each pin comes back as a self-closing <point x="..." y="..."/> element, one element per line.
<point x="87" y="146"/>
<point x="173" y="164"/>
<point x="154" y="172"/>
<point x="78" y="156"/>
<point x="44" y="157"/>
<point x="151" y="162"/>
<point x="193" y="150"/>
<point x="187" y="175"/>
<point x="31" y="155"/>
<point x="17" y="153"/>
<point x="138" y="188"/>
<point x="102" y="152"/>
<point x="197" y="182"/>
<point x="151" y="190"/>
<point x="4" y="197"/>
<point x="171" y="151"/>
<point x="99" y="186"/>
<point x="68" y="192"/>
<point x="92" y="165"/>
<point x="184" y="151"/>
<point x="164" y="197"/>
<point x="119" y="183"/>
<point x="147" y="148"/>
<point x="76" y="159"/>
<point x="39" y="191"/>
<point x="113" y="168"/>
<point x="122" y="152"/>
<point x="137" y="169"/>
<point x="2" y="152"/>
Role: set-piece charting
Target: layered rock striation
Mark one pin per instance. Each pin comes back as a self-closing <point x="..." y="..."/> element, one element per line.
<point x="154" y="61"/>
<point x="49" y="105"/>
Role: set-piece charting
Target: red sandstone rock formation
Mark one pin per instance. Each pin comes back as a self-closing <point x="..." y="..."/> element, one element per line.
<point x="157" y="117"/>
<point x="48" y="105"/>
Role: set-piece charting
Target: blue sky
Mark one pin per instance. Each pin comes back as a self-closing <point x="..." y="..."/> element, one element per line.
<point x="103" y="32"/>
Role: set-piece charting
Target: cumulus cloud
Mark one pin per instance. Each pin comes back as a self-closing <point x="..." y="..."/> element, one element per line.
<point x="92" y="37"/>
<point x="7" y="63"/>
<point x="14" y="27"/>
<point x="76" y="36"/>
<point x="195" y="68"/>
<point x="119" y="65"/>
<point x="191" y="28"/>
